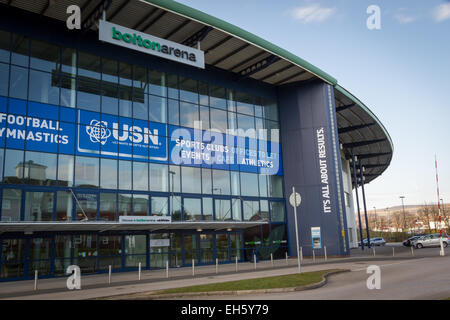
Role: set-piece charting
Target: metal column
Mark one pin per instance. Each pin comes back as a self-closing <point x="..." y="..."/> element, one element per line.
<point x="364" y="202"/>
<point x="355" y="180"/>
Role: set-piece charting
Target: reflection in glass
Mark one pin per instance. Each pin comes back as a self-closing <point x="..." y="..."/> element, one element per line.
<point x="222" y="247"/>
<point x="40" y="251"/>
<point x="237" y="212"/>
<point x="63" y="248"/>
<point x="18" y="82"/>
<point x="110" y="250"/>
<point x="159" y="176"/>
<point x="140" y="176"/>
<point x="88" y="66"/>
<point x="275" y="186"/>
<point x="218" y="120"/>
<point x="188" y="90"/>
<point x="85" y="252"/>
<point x="217" y="97"/>
<point x="160" y="206"/>
<point x="108" y="206"/>
<point x="249" y="184"/>
<point x="158" y="107"/>
<point x="188" y="114"/>
<point x="40" y="168"/>
<point x="206" y="248"/>
<point x="64" y="205"/>
<point x="39" y="206"/>
<point x="135" y="250"/>
<point x="223" y="209"/>
<point x="174" y="176"/>
<point x="190" y="178"/>
<point x="124" y="204"/>
<point x="86" y="206"/>
<point x="88" y="94"/>
<point x="251" y="210"/>
<point x="19" y="50"/>
<point x="125" y="175"/>
<point x="87" y="172"/>
<point x="277" y="211"/>
<point x="140" y="204"/>
<point x="11" y="204"/>
<point x="43" y="87"/>
<point x="221" y="182"/>
<point x="192" y="209"/>
<point x="208" y="209"/>
<point x="13" y="166"/>
<point x="174" y="112"/>
<point x="13" y="256"/>
<point x="108" y="175"/>
<point x="157" y="82"/>
<point x="175" y="208"/>
<point x="190" y="249"/>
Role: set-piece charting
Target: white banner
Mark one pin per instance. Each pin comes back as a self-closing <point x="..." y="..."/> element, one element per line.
<point x="145" y="219"/>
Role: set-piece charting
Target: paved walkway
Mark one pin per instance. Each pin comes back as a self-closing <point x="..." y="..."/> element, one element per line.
<point x="95" y="286"/>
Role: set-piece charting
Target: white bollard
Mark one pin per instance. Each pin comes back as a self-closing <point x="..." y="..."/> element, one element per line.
<point x="35" y="279"/>
<point x="393" y="251"/>
<point x="287" y="261"/>
<point x="193" y="268"/>
<point x="325" y="250"/>
<point x="301" y="253"/>
<point x="109" y="274"/>
<point x="314" y="256"/>
<point x="139" y="271"/>
<point x="271" y="259"/>
<point x="254" y="260"/>
<point x="412" y="250"/>
<point x="217" y="265"/>
<point x="236" y="264"/>
<point x="167" y="269"/>
<point x="373" y="249"/>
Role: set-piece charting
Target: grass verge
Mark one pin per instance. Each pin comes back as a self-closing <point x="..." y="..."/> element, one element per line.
<point x="285" y="281"/>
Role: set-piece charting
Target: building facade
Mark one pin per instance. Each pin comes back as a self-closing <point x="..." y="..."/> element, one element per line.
<point x="111" y="156"/>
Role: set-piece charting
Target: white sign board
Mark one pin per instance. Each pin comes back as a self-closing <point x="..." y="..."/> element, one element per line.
<point x="159" y="242"/>
<point x="295" y="199"/>
<point x="145" y="219"/>
<point x="143" y="42"/>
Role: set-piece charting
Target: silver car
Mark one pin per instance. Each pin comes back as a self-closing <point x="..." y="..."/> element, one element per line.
<point x="430" y="240"/>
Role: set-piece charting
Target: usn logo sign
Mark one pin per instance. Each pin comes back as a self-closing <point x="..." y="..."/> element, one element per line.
<point x="121" y="137"/>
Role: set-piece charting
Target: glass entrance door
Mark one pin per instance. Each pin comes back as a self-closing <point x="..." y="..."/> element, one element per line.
<point x="206" y="248"/>
<point x="190" y="249"/>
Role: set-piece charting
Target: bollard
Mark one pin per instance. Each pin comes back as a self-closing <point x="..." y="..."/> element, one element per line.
<point x="167" y="269"/>
<point x="287" y="261"/>
<point x="35" y="279"/>
<point x="139" y="271"/>
<point x="193" y="268"/>
<point x="393" y="251"/>
<point x="373" y="249"/>
<point x="236" y="264"/>
<point x="217" y="265"/>
<point x="314" y="256"/>
<point x="109" y="274"/>
<point x="301" y="253"/>
<point x="325" y="249"/>
<point x="254" y="260"/>
<point x="412" y="250"/>
<point x="271" y="259"/>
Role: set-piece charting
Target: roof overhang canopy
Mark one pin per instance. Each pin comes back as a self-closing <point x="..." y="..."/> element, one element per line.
<point x="235" y="50"/>
<point x="102" y="226"/>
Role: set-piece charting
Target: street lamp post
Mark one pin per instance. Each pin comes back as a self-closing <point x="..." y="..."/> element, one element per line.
<point x="404" y="216"/>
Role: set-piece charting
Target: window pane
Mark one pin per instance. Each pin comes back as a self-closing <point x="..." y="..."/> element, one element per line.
<point x="13" y="166"/>
<point x="207" y="209"/>
<point x="108" y="176"/>
<point x="245" y="122"/>
<point x="158" y="108"/>
<point x="5" y="38"/>
<point x="188" y="90"/>
<point x="69" y="61"/>
<point x="237" y="212"/>
<point x="110" y="98"/>
<point x="157" y="82"/>
<point x="43" y="87"/>
<point x="190" y="180"/>
<point x="271" y="110"/>
<point x="140" y="205"/>
<point x="203" y="91"/>
<point x="136" y="244"/>
<point x="39" y="206"/>
<point x="13" y="256"/>
<point x="221" y="182"/>
<point x="44" y="56"/>
<point x="86" y="204"/>
<point x="86" y="172"/>
<point x="264" y="209"/>
<point x="174" y="176"/>
<point x="160" y="206"/>
<point x="172" y="84"/>
<point x="125" y="105"/>
<point x="11" y="204"/>
<point x="249" y="184"/>
<point x="223" y="209"/>
<point x="124" y="204"/>
<point x="218" y="97"/>
<point x="244" y="103"/>
<point x="18" y="82"/>
<point x="204" y="117"/>
<point x="4" y="76"/>
<point x="124" y="175"/>
<point x="235" y="183"/>
<point x="275" y="186"/>
<point x="19" y="50"/>
<point x="192" y="209"/>
<point x="140" y="105"/>
<point x="206" y="181"/>
<point x="64" y="206"/>
<point x="159" y="177"/>
<point x="40" y="168"/>
<point x="175" y="208"/>
<point x="110" y="71"/>
<point x="68" y="91"/>
<point x="140" y="176"/>
<point x="251" y="210"/>
<point x="218" y="120"/>
<point x="188" y="114"/>
<point x="262" y="185"/>
<point x="108" y="206"/>
<point x="88" y="65"/>
<point x="277" y="211"/>
<point x="174" y="112"/>
<point x="88" y="97"/>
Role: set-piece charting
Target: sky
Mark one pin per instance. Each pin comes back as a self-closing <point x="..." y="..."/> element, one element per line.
<point x="400" y="71"/>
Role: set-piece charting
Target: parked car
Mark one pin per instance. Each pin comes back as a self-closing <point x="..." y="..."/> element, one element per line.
<point x="408" y="241"/>
<point x="374" y="242"/>
<point x="430" y="240"/>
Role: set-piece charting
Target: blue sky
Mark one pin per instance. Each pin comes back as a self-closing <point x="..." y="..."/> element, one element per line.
<point x="401" y="72"/>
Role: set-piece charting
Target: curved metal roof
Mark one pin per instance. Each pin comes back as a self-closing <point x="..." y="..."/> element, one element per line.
<point x="233" y="49"/>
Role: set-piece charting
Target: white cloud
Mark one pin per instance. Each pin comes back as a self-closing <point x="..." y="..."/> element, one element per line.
<point x="442" y="12"/>
<point x="312" y="13"/>
<point x="403" y="18"/>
